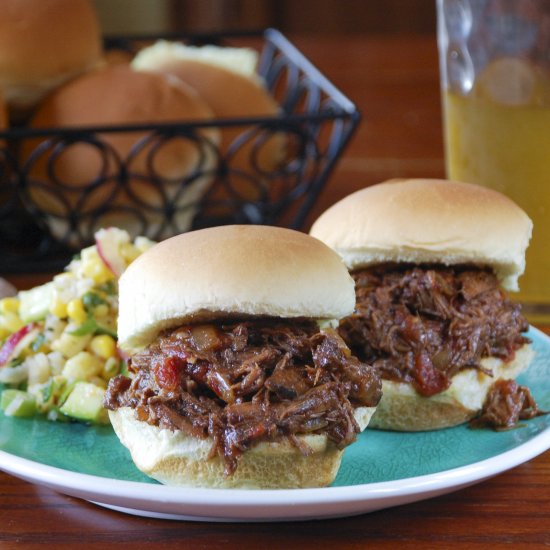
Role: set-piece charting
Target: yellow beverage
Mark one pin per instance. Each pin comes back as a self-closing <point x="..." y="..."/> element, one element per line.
<point x="507" y="147"/>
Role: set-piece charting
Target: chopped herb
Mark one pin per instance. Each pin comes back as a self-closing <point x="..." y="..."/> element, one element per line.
<point x="90" y="326"/>
<point x="15" y="362"/>
<point x="38" y="341"/>
<point x="48" y="391"/>
<point x="92" y="300"/>
<point x="106" y="330"/>
<point x="108" y="287"/>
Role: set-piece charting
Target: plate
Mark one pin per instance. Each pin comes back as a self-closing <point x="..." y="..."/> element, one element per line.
<point x="380" y="470"/>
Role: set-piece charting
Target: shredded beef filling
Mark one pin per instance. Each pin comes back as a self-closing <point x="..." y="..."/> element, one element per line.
<point x="506" y="403"/>
<point x="248" y="382"/>
<point x="424" y="324"/>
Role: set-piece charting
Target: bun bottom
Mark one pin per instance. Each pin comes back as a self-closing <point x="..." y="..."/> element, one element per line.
<point x="174" y="458"/>
<point x="403" y="409"/>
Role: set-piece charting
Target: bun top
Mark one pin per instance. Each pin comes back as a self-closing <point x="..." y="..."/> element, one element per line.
<point x="225" y="77"/>
<point x="43" y="43"/>
<point x="119" y="95"/>
<point x="231" y="271"/>
<point x="429" y="221"/>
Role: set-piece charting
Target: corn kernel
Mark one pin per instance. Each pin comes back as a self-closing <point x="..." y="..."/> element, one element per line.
<point x="58" y="308"/>
<point x="11" y="322"/>
<point x="9" y="305"/>
<point x="76" y="311"/>
<point x="103" y="345"/>
<point x="102" y="310"/>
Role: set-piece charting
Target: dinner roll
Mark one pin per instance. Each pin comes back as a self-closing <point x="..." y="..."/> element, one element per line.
<point x="227" y="80"/>
<point x="44" y="43"/>
<point x="116" y="172"/>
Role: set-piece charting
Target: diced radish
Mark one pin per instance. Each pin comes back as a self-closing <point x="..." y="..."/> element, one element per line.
<point x="10" y="345"/>
<point x="108" y="242"/>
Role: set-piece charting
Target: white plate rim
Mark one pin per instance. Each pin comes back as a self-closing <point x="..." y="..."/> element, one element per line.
<point x="253" y="504"/>
<point x="268" y="505"/>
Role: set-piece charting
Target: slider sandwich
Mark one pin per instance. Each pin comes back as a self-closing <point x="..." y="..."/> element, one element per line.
<point x="232" y="381"/>
<point x="432" y="261"/>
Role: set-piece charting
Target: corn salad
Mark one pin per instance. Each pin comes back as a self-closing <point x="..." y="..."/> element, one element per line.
<point x="58" y="342"/>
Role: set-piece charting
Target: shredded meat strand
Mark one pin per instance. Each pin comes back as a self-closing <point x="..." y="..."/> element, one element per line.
<point x="506" y="403"/>
<point x="424" y="324"/>
<point x="248" y="382"/>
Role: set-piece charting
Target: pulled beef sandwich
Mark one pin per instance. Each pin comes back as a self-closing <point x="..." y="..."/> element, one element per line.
<point x="431" y="261"/>
<point x="232" y="382"/>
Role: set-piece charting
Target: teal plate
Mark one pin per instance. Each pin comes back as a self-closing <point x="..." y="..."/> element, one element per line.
<point x="381" y="469"/>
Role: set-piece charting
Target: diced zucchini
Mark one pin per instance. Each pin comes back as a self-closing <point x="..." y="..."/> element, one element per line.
<point x="85" y="402"/>
<point x="18" y="403"/>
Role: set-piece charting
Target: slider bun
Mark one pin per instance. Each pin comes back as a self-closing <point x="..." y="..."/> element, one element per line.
<point x="230" y="271"/>
<point x="175" y="458"/>
<point x="226" y="79"/>
<point x="429" y="221"/>
<point x="403" y="409"/>
<point x="43" y="43"/>
<point x="118" y="95"/>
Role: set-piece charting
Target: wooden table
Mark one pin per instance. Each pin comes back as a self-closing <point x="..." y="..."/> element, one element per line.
<point x="394" y="81"/>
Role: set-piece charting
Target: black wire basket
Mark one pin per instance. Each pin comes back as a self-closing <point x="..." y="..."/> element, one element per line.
<point x="44" y="220"/>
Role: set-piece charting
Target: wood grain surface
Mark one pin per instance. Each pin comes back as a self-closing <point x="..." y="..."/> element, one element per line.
<point x="394" y="81"/>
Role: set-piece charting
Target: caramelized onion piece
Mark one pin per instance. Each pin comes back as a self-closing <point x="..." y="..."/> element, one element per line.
<point x="205" y="337"/>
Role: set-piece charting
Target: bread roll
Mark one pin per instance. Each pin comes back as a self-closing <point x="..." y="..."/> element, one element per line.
<point x="90" y="174"/>
<point x="204" y="274"/>
<point x="44" y="43"/>
<point x="452" y="223"/>
<point x="174" y="458"/>
<point x="226" y="79"/>
<point x="402" y="408"/>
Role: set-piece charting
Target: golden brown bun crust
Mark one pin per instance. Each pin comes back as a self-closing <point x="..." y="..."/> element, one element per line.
<point x="118" y="95"/>
<point x="174" y="458"/>
<point x="428" y="221"/>
<point x="403" y="409"/>
<point x="43" y="43"/>
<point x="231" y="271"/>
<point x="229" y="92"/>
